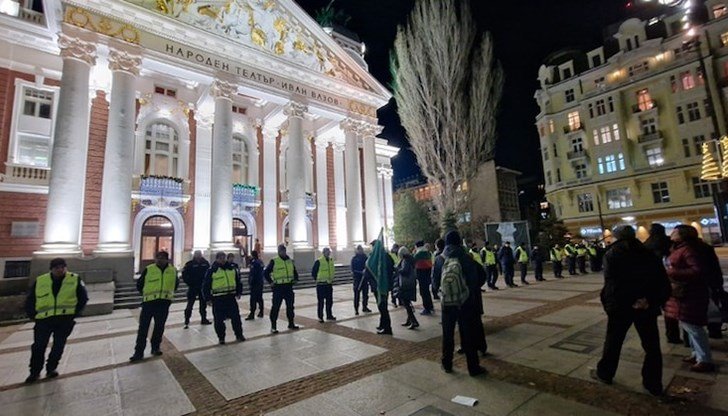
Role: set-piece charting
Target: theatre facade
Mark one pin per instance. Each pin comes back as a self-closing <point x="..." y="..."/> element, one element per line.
<point x="132" y="126"/>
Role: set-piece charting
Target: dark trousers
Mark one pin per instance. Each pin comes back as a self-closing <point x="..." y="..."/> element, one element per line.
<point x="538" y="270"/>
<point x="194" y="294"/>
<point x="224" y="307"/>
<point x="465" y="319"/>
<point x="572" y="265"/>
<point x="361" y="293"/>
<point x="325" y="294"/>
<point x="385" y="322"/>
<point x="582" y="264"/>
<point x="558" y="268"/>
<point x="508" y="273"/>
<point x="646" y="325"/>
<point x="672" y="329"/>
<point x="424" y="279"/>
<point x="491" y="275"/>
<point x="256" y="299"/>
<point x="410" y="311"/>
<point x="282" y="293"/>
<point x="524" y="271"/>
<point x="60" y="328"/>
<point x="157" y="310"/>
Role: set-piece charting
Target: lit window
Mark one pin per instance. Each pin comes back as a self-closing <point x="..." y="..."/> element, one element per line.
<point x="619" y="198"/>
<point x="574" y="122"/>
<point x="585" y="202"/>
<point x="33" y="127"/>
<point x="552" y="127"/>
<point x="606" y="134"/>
<point x="611" y="163"/>
<point x="615" y="131"/>
<point x="569" y="94"/>
<point x="719" y="10"/>
<point x="654" y="157"/>
<point x="688" y="82"/>
<point x="161" y="153"/>
<point x="595" y="132"/>
<point x="701" y="188"/>
<point x="660" y="193"/>
<point x="240" y="160"/>
<point x="644" y="101"/>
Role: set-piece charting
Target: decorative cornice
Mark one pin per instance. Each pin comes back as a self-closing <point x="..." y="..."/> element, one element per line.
<point x="350" y="125"/>
<point x="371" y="130"/>
<point x="204" y="120"/>
<point x="76" y="48"/>
<point x="295" y="109"/>
<point x="223" y="89"/>
<point x="385" y="172"/>
<point x="338" y="147"/>
<point x="121" y="60"/>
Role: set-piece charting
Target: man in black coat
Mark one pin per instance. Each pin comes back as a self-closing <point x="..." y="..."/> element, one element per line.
<point x="659" y="243"/>
<point x="635" y="289"/>
<point x="192" y="274"/>
<point x="222" y="287"/>
<point x="507" y="262"/>
<point x="467" y="316"/>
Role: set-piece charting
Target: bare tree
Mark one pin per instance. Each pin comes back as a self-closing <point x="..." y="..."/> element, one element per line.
<point x="447" y="86"/>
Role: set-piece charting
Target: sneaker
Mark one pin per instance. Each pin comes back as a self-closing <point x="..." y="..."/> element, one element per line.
<point x="414" y="325"/>
<point x="240" y="338"/>
<point x="293" y="327"/>
<point x="136" y="358"/>
<point x="594" y="375"/>
<point x="156" y="352"/>
<point x="206" y="322"/>
<point x="384" y="331"/>
<point x="703" y="368"/>
<point x="408" y="323"/>
<point x="366" y="310"/>
<point x="187" y="326"/>
<point x="477" y="371"/>
<point x="51" y="373"/>
<point x="331" y="318"/>
<point x="32" y="378"/>
<point x="321" y="320"/>
<point x="273" y="331"/>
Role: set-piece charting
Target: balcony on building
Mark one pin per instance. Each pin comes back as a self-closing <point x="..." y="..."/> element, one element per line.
<point x="577" y="155"/>
<point x="644" y="106"/>
<point x="246" y="195"/>
<point x="650" y="138"/>
<point x="575" y="128"/>
<point x="155" y="190"/>
<point x="25" y="175"/>
<point x="28" y="11"/>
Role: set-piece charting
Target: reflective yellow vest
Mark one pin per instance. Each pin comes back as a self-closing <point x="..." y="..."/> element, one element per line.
<point x="556" y="254"/>
<point x="489" y="258"/>
<point x="581" y="252"/>
<point x="46" y="304"/>
<point x="223" y="282"/>
<point x="593" y="251"/>
<point x="522" y="256"/>
<point x="476" y="256"/>
<point x="158" y="285"/>
<point x="282" y="271"/>
<point x="325" y="271"/>
<point x="570" y="250"/>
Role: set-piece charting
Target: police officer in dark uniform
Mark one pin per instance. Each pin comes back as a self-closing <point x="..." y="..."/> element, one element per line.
<point x="222" y="287"/>
<point x="323" y="272"/>
<point x="361" y="285"/>
<point x="157" y="285"/>
<point x="53" y="302"/>
<point x="192" y="274"/>
<point x="255" y="282"/>
<point x="282" y="274"/>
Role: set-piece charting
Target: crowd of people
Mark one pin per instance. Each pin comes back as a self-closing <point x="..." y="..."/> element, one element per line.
<point x="679" y="276"/>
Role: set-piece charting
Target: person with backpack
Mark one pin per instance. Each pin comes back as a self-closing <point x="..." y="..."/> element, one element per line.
<point x="406" y="286"/>
<point x="459" y="280"/>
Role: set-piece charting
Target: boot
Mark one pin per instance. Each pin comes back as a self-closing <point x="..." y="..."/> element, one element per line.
<point x="250" y="317"/>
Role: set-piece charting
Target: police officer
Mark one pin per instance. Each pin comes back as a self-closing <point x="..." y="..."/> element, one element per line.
<point x="192" y="274"/>
<point x="53" y="302"/>
<point x="570" y="250"/>
<point x="556" y="255"/>
<point x="157" y="285"/>
<point x="491" y="269"/>
<point x="537" y="258"/>
<point x="323" y="273"/>
<point x="222" y="287"/>
<point x="361" y="285"/>
<point x="282" y="274"/>
<point x="255" y="282"/>
<point x="581" y="253"/>
<point x="521" y="255"/>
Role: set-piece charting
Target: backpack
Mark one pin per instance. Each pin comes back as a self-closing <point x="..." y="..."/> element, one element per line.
<point x="453" y="288"/>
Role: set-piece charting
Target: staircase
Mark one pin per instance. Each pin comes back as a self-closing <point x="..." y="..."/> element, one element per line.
<point x="126" y="295"/>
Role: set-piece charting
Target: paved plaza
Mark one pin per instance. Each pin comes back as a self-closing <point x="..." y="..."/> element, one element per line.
<point x="544" y="338"/>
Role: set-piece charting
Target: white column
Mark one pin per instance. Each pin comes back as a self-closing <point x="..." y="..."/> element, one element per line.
<point x="221" y="225"/>
<point x="298" y="154"/>
<point x="387" y="205"/>
<point x="322" y="193"/>
<point x="355" y="229"/>
<point x="203" y="180"/>
<point x="253" y="153"/>
<point x="115" y="219"/>
<point x="68" y="167"/>
<point x="371" y="185"/>
<point x="340" y="195"/>
<point x="270" y="189"/>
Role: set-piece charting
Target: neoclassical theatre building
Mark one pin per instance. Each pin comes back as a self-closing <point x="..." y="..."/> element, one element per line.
<point x="132" y="126"/>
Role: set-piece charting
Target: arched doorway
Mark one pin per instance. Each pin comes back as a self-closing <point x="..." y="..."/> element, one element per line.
<point x="157" y="235"/>
<point x="242" y="238"/>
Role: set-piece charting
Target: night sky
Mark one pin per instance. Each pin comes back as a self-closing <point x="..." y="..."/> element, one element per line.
<point x="525" y="33"/>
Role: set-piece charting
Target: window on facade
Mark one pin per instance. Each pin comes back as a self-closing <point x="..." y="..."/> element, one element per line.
<point x="701" y="76"/>
<point x="161" y="153"/>
<point x="629" y="44"/>
<point x="654" y="156"/>
<point x="574" y="122"/>
<point x="240" y="160"/>
<point x="239" y="110"/>
<point x="552" y="127"/>
<point x="615" y="131"/>
<point x="644" y="101"/>
<point x="558" y="175"/>
<point x="638" y="68"/>
<point x="569" y="95"/>
<point x="719" y="10"/>
<point x="619" y="198"/>
<point x="567" y="73"/>
<point x="686" y="147"/>
<point x="601" y="108"/>
<point x="610" y="103"/>
<point x="591" y="110"/>
<point x="693" y="111"/>
<point x="698" y="144"/>
<point x="687" y="80"/>
<point x="169" y="92"/>
<point x="680" y="115"/>
<point x="548" y="178"/>
<point x="580" y="170"/>
<point x="611" y="163"/>
<point x="648" y="125"/>
<point x="545" y="154"/>
<point x="636" y="41"/>
<point x="541" y="130"/>
<point x="701" y="188"/>
<point x="595" y="133"/>
<point x="556" y="151"/>
<point x="605" y="134"/>
<point x="585" y="202"/>
<point x="660" y="193"/>
<point x="596" y="60"/>
<point x="577" y="144"/>
<point x="33" y="131"/>
<point x="673" y="83"/>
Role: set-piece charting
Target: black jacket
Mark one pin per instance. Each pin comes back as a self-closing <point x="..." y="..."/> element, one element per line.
<point x="358" y="264"/>
<point x="505" y="256"/>
<point x="207" y="283"/>
<point x="255" y="277"/>
<point x="472" y="272"/>
<point x="631" y="272"/>
<point x="194" y="272"/>
<point x="81" y="296"/>
<point x="659" y="244"/>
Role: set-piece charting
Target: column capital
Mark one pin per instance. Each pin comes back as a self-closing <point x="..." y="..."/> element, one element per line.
<point x="270" y="133"/>
<point x="122" y="60"/>
<point x="256" y="122"/>
<point x="204" y="119"/>
<point x="295" y="109"/>
<point x="321" y="143"/>
<point x="349" y="125"/>
<point x="371" y="130"/>
<point x="76" y="48"/>
<point x="338" y="146"/>
<point x="223" y="89"/>
<point x="385" y="172"/>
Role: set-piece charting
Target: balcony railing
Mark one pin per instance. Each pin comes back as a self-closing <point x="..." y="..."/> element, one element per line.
<point x="649" y="137"/>
<point x="29" y="175"/>
<point x="161" y="186"/>
<point x="576" y="154"/>
<point x="245" y="194"/>
<point x="646" y="106"/>
<point x="31" y="16"/>
<point x="574" y="128"/>
<point x="310" y="200"/>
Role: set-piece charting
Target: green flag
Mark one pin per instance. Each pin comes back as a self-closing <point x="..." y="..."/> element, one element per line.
<point x="379" y="266"/>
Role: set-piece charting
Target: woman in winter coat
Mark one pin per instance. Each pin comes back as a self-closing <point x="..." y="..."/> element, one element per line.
<point x="689" y="301"/>
<point x="407" y="285"/>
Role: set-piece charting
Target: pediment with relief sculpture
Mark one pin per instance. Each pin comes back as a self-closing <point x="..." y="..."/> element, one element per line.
<point x="266" y="25"/>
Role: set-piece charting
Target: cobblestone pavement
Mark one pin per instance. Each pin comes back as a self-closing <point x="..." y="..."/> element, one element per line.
<point x="544" y="338"/>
